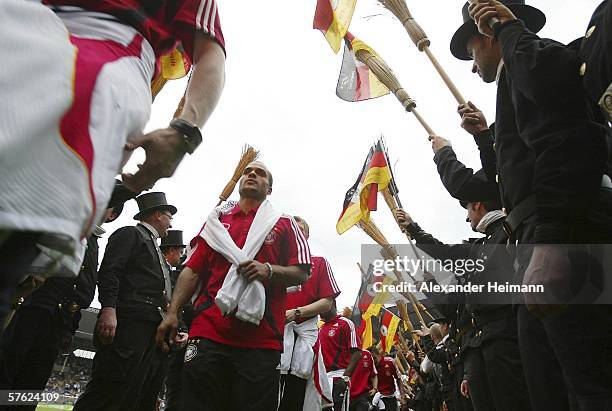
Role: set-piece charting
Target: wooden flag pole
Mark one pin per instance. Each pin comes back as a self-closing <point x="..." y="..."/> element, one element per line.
<point x="420" y="40"/>
<point x="384" y="73"/>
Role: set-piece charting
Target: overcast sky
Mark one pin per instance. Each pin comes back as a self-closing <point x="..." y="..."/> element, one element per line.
<point x="280" y="97"/>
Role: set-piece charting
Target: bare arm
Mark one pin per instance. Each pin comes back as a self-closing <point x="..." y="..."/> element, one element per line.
<point x="207" y="80"/>
<point x="165" y="148"/>
<point x="313" y="309"/>
<point x="355" y="355"/>
<point x="184" y="289"/>
<point x="287" y="276"/>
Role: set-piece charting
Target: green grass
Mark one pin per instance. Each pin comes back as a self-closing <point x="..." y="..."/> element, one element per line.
<point x="53" y="407"/>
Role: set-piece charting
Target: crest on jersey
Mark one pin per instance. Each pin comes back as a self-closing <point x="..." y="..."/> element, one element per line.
<point x="271" y="237"/>
<point x="226" y="226"/>
<point x="190" y="351"/>
<point x="331" y="332"/>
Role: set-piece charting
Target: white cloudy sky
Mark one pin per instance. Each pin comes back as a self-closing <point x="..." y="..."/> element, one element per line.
<point x="280" y="97"/>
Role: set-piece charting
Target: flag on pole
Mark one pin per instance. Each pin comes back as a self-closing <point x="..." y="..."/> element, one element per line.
<point x="333" y="18"/>
<point x="388" y="330"/>
<point x="367" y="337"/>
<point x="356" y="82"/>
<point x="172" y="66"/>
<point x="361" y="198"/>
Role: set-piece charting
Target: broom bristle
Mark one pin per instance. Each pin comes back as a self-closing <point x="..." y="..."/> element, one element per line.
<point x="249" y="154"/>
<point x="398" y="7"/>
<point x="386" y="76"/>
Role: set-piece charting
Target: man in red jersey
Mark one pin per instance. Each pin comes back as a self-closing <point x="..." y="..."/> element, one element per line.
<point x="304" y="304"/>
<point x="364" y="382"/>
<point x="388" y="377"/>
<point x="340" y="350"/>
<point x="71" y="119"/>
<point x="231" y="364"/>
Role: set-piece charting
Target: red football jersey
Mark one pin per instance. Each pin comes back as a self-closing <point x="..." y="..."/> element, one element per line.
<point x="163" y="22"/>
<point x="387" y="373"/>
<point x="321" y="284"/>
<point x="362" y="374"/>
<point x="285" y="245"/>
<point x="337" y="337"/>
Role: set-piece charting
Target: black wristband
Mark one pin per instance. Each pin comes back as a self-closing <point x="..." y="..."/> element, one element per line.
<point x="191" y="133"/>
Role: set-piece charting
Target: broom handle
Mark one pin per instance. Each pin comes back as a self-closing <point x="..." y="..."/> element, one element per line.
<point x="423" y="122"/>
<point x="449" y="83"/>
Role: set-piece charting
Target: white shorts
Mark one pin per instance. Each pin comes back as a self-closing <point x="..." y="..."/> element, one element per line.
<point x="75" y="88"/>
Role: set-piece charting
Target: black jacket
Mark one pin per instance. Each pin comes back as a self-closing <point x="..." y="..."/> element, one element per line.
<point x="490" y="320"/>
<point x="596" y="52"/>
<point x="131" y="272"/>
<point x="79" y="290"/>
<point x="58" y="291"/>
<point x="546" y="140"/>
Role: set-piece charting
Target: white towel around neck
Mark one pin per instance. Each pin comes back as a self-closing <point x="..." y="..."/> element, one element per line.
<point x="248" y="298"/>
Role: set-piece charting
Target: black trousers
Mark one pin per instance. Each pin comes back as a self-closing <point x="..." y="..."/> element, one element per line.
<point x="18" y="251"/>
<point x="220" y="377"/>
<point x="495" y="376"/>
<point x="174" y="399"/>
<point x="293" y="390"/>
<point x="127" y="374"/>
<point x="30" y="346"/>
<point x="567" y="358"/>
<point x="390" y="403"/>
<point x="361" y="403"/>
<point x="460" y="403"/>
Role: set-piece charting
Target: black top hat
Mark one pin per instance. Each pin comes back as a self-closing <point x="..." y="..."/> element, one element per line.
<point x="152" y="202"/>
<point x="173" y="239"/>
<point x="534" y="20"/>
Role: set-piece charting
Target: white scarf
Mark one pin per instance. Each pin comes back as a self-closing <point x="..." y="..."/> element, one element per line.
<point x="249" y="298"/>
<point x="489" y="218"/>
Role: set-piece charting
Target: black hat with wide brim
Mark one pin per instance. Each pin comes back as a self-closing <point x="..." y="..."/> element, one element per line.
<point x="150" y="202"/>
<point x="533" y="18"/>
<point x="173" y="239"/>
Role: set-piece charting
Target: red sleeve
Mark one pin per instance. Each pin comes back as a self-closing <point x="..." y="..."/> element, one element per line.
<point x="198" y="15"/>
<point x="196" y="260"/>
<point x="296" y="248"/>
<point x="326" y="284"/>
<point x="373" y="366"/>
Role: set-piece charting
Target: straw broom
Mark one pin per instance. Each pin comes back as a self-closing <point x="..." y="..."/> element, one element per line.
<point x="389" y="253"/>
<point x="249" y="154"/>
<point x="382" y="71"/>
<point x="393" y="206"/>
<point x="419" y="38"/>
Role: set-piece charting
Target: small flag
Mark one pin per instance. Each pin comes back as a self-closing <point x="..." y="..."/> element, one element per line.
<point x="388" y="330"/>
<point x="171" y="66"/>
<point x="356" y="82"/>
<point x="333" y="18"/>
<point x="361" y="198"/>
<point x="367" y="338"/>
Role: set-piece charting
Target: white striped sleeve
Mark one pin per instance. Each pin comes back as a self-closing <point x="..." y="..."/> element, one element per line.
<point x="331" y="278"/>
<point x="298" y="245"/>
<point x="352" y="334"/>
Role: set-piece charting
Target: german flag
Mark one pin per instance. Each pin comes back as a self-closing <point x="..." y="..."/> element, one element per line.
<point x="333" y="18"/>
<point x="388" y="330"/>
<point x="360" y="199"/>
<point x="356" y="82"/>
